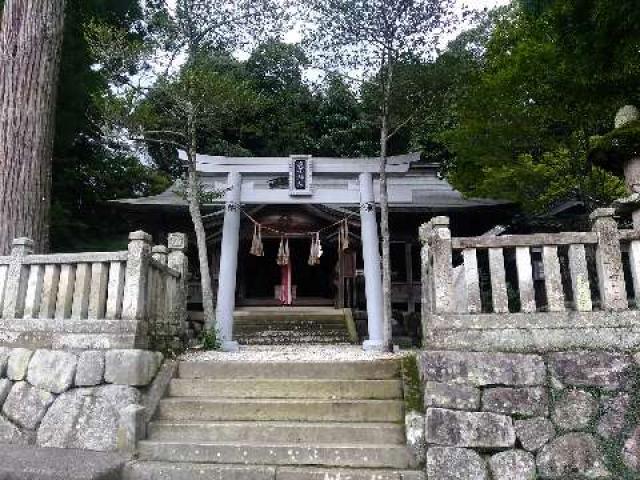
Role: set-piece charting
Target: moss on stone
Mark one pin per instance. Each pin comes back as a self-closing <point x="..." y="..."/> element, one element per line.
<point x="612" y="150"/>
<point x="412" y="386"/>
<point x="612" y="448"/>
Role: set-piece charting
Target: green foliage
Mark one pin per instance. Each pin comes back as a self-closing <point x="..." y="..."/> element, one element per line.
<point x="614" y="148"/>
<point x="426" y="93"/>
<point x="505" y="109"/>
<point x="210" y="339"/>
<point x="283" y="122"/>
<point x="87" y="172"/>
<point x="603" y="36"/>
<point x="538" y="184"/>
<point x="541" y="88"/>
<point x="342" y="126"/>
<point x="80" y="215"/>
<point x="275" y="66"/>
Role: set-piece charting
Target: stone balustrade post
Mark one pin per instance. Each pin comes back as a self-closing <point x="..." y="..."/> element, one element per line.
<point x="177" y="260"/>
<point x="160" y="253"/>
<point x="16" y="279"/>
<point x="437" y="235"/>
<point x="131" y="428"/>
<point x="424" y="233"/>
<point x="426" y="302"/>
<point x="159" y="286"/>
<point x="137" y="271"/>
<point x="613" y="293"/>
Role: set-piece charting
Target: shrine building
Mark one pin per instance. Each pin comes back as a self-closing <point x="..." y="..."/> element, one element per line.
<point x="304" y="231"/>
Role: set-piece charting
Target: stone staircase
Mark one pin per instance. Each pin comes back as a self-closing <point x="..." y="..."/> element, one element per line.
<point x="279" y="421"/>
<point x="293" y="325"/>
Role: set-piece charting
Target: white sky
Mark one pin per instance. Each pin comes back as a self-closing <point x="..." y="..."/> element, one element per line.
<point x="294" y="36"/>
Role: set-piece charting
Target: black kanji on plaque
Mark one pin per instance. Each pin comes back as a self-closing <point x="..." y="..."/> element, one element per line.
<point x="300" y="174"/>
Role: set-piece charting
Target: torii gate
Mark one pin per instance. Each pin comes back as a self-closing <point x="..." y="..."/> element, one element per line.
<point x="317" y="180"/>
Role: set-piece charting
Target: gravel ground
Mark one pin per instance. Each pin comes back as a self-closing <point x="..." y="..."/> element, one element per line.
<point x="290" y="353"/>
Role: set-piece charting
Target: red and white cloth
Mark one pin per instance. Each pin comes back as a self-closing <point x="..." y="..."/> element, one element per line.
<point x="286" y="294"/>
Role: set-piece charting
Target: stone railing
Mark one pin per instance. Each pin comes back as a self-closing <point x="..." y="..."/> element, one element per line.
<point x="531" y="292"/>
<point x="93" y="300"/>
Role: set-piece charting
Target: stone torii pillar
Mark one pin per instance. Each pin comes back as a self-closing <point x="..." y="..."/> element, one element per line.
<point x="226" y="301"/>
<point x="372" y="271"/>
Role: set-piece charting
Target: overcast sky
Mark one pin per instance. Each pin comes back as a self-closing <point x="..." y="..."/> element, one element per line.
<point x="475" y="4"/>
<point x="294" y="36"/>
<point x="485" y="3"/>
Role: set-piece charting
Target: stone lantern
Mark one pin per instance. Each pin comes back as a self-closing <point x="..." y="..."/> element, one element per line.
<point x="627" y="116"/>
<point x="619" y="152"/>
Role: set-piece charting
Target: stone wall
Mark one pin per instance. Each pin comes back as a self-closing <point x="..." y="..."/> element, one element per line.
<point x="90" y="400"/>
<point x="507" y="416"/>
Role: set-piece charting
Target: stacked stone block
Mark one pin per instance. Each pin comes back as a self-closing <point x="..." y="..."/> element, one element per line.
<point x="504" y="416"/>
<point x="80" y="400"/>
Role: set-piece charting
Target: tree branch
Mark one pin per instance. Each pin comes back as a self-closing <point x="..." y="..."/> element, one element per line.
<point x="400" y="127"/>
<point x="159" y="141"/>
<point x="165" y="132"/>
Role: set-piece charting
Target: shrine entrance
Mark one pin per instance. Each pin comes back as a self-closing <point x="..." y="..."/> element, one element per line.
<point x="260" y="278"/>
<point x="300" y="180"/>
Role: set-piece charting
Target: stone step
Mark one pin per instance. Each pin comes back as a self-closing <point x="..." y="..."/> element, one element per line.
<point x="341" y="455"/>
<point x="293" y="332"/>
<point x="312" y="332"/>
<point x="291" y="338"/>
<point x="20" y="462"/>
<point x="271" y="313"/>
<point x="335" y="322"/>
<point x="198" y="471"/>
<point x="308" y="329"/>
<point x="315" y="473"/>
<point x="277" y="432"/>
<point x="194" y="408"/>
<point x="280" y="388"/>
<point x="379" y="370"/>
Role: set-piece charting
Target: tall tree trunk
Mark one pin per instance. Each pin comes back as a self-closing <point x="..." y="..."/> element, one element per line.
<point x="193" y="195"/>
<point x="31" y="36"/>
<point x="384" y="208"/>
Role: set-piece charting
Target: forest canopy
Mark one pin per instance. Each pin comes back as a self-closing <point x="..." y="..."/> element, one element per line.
<point x="507" y="109"/>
